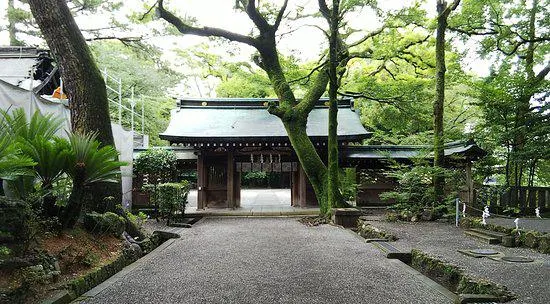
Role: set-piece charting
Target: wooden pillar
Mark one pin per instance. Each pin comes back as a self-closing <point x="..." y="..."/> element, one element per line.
<point x="230" y="180"/>
<point x="294" y="186"/>
<point x="237" y="181"/>
<point x="201" y="180"/>
<point x="302" y="186"/>
<point x="469" y="182"/>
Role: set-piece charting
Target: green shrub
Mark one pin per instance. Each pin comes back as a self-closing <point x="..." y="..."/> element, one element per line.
<point x="414" y="195"/>
<point x="255" y="179"/>
<point x="157" y="165"/>
<point x="137" y="219"/>
<point x="106" y="223"/>
<point x="4" y="252"/>
<point x="348" y="183"/>
<point x="170" y="198"/>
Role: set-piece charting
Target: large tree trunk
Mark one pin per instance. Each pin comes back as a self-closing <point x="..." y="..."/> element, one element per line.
<point x="522" y="103"/>
<point x="334" y="196"/>
<point x="439" y="156"/>
<point x="82" y="79"/>
<point x="295" y="119"/>
<point x="314" y="167"/>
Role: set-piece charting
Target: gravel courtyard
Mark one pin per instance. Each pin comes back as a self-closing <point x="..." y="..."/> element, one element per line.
<point x="529" y="281"/>
<point x="265" y="260"/>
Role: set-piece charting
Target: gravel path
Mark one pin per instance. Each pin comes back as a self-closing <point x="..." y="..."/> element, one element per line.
<point x="541" y="225"/>
<point x="530" y="281"/>
<point x="267" y="260"/>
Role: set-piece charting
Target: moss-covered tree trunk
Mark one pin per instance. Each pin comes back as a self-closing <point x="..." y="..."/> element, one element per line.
<point x="439" y="157"/>
<point x="294" y="116"/>
<point x="82" y="79"/>
<point x="314" y="167"/>
<point x="518" y="162"/>
<point x="333" y="190"/>
<point x="443" y="12"/>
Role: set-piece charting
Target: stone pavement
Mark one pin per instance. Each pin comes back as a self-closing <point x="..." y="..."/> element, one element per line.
<point x="254" y="202"/>
<point x="265" y="260"/>
<point x="530" y="281"/>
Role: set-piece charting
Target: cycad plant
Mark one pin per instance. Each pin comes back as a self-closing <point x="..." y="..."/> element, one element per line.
<point x="13" y="163"/>
<point x="87" y="163"/>
<point x="18" y="126"/>
<point x="35" y="138"/>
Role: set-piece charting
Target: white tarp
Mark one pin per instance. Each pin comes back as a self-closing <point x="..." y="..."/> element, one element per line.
<point x="13" y="97"/>
<point x="124" y="143"/>
<point x="17" y="70"/>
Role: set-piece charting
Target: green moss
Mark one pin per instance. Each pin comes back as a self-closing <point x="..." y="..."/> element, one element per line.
<point x="455" y="278"/>
<point x="544" y="243"/>
<point x="368" y="231"/>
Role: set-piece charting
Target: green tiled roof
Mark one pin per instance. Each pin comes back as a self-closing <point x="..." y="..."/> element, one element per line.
<point x="469" y="149"/>
<point x="240" y="120"/>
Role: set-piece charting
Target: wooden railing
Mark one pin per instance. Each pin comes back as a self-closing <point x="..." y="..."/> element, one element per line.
<point x="526" y="199"/>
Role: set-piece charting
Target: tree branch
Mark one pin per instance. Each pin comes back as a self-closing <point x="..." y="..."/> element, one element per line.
<point x="280" y="15"/>
<point x="317" y="90"/>
<point x="121" y="39"/>
<point x="256" y="17"/>
<point x="540" y="76"/>
<point x="449" y="8"/>
<point x="201" y="31"/>
<point x="393" y="101"/>
<point x="148" y="11"/>
<point x="367" y="36"/>
<point x="325" y="11"/>
<point x="308" y="76"/>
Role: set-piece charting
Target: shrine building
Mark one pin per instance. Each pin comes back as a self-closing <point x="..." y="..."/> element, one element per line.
<point x="225" y="137"/>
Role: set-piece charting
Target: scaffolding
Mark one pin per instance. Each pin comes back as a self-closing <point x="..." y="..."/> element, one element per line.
<point x="114" y="95"/>
<point x="114" y="87"/>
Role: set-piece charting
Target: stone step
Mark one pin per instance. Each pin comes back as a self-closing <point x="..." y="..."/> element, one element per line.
<point x="497" y="235"/>
<point x="484" y="237"/>
<point x="374" y="210"/>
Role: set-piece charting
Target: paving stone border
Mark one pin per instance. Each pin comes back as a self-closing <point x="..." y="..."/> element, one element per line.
<point x="522" y="238"/>
<point x="367" y="231"/>
<point x="455" y="278"/>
